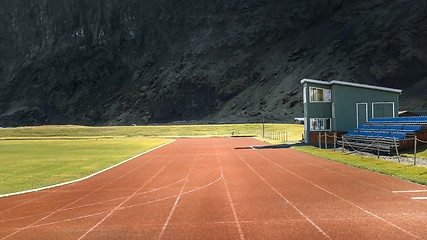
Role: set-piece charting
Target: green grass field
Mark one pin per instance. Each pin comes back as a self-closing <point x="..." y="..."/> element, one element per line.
<point x="295" y="131"/>
<point x="29" y="164"/>
<point x="408" y="172"/>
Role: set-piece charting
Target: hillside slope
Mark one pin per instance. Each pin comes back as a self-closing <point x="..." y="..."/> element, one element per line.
<point x="130" y="61"/>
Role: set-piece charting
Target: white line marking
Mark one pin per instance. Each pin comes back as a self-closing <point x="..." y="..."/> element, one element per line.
<point x="285" y="199"/>
<point x="165" y="225"/>
<point x="345" y="200"/>
<point x="84" y="178"/>
<point x="92" y="204"/>
<point x="419" y="198"/>
<point x="230" y="200"/>
<point x="127" y="199"/>
<point x="132" y="206"/>
<point x="410" y="191"/>
<point x="75" y="201"/>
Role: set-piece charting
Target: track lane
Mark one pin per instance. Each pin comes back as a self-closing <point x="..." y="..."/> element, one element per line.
<point x="367" y="199"/>
<point x="230" y="187"/>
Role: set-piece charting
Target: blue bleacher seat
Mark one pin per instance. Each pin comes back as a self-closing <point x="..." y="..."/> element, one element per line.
<point x="374" y="127"/>
<point x="397" y="135"/>
<point x="411" y="128"/>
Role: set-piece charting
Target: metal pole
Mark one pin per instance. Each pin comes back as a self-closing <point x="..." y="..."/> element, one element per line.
<point x="319" y="140"/>
<point x="335" y="142"/>
<point x="397" y="151"/>
<point x="415" y="150"/>
<point x="343" y="143"/>
<point x="263" y="126"/>
<point x="326" y="140"/>
<point x="378" y="151"/>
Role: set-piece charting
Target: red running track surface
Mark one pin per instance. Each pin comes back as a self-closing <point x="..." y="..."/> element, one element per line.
<point x="216" y="188"/>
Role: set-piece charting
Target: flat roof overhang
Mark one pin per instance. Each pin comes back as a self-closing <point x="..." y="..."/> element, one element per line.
<point x="359" y="85"/>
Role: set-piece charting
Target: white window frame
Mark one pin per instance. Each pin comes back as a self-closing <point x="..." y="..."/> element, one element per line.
<point x="305" y="94"/>
<point x="325" y="100"/>
<point x="373" y="111"/>
<point x="357" y="112"/>
<point x="333" y="110"/>
<point x="305" y="124"/>
<point x="321" y="130"/>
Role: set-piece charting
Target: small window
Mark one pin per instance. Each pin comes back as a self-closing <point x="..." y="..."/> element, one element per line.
<point x="320" y="95"/>
<point x="320" y="124"/>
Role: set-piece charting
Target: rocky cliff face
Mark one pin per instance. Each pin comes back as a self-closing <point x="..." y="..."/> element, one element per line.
<point x="133" y="61"/>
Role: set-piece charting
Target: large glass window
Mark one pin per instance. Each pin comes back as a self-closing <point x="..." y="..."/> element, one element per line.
<point x="320" y="124"/>
<point x="320" y="95"/>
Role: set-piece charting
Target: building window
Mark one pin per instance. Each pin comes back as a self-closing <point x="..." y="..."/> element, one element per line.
<point x="320" y="124"/>
<point x="320" y="95"/>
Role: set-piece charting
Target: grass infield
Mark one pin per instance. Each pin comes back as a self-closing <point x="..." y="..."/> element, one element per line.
<point x="30" y="164"/>
<point x="294" y="131"/>
<point x="411" y="173"/>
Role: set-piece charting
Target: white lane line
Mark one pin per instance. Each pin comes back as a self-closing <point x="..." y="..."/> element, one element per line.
<point x="84" y="178"/>
<point x="165" y="225"/>
<point x="94" y="191"/>
<point x="419" y="198"/>
<point x="335" y="195"/>
<point x="410" y="191"/>
<point x="285" y="199"/>
<point x="132" y="206"/>
<point x="127" y="199"/>
<point x="230" y="200"/>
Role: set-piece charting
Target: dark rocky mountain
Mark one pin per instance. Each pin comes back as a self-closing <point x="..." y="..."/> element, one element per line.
<point x="144" y="61"/>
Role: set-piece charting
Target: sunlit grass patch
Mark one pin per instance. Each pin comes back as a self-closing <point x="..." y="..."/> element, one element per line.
<point x="29" y="164"/>
<point x="408" y="172"/>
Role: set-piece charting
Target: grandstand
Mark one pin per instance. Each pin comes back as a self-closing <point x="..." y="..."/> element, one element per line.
<point x="387" y="134"/>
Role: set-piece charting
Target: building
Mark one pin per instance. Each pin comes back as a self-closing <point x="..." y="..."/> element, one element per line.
<point x="339" y="107"/>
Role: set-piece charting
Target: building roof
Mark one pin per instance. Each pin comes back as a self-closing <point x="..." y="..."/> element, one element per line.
<point x="351" y="84"/>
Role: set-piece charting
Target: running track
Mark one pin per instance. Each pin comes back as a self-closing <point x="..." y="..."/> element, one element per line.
<point x="215" y="188"/>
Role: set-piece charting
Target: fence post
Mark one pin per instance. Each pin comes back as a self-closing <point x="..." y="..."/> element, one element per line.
<point x="343" y="143"/>
<point x="378" y="149"/>
<point x="319" y="138"/>
<point x="326" y="140"/>
<point x="335" y="141"/>
<point x="415" y="150"/>
<point x="397" y="151"/>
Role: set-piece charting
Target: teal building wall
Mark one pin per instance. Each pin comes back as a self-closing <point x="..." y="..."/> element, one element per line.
<point x="351" y="105"/>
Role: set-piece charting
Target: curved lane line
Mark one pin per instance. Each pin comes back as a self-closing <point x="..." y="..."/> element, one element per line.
<point x="110" y="212"/>
<point x="93" y="204"/>
<point x="165" y="225"/>
<point x="132" y="206"/>
<point x="58" y="210"/>
<point x="84" y="178"/>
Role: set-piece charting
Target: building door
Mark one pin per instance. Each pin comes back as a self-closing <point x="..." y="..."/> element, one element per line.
<point x="361" y="113"/>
